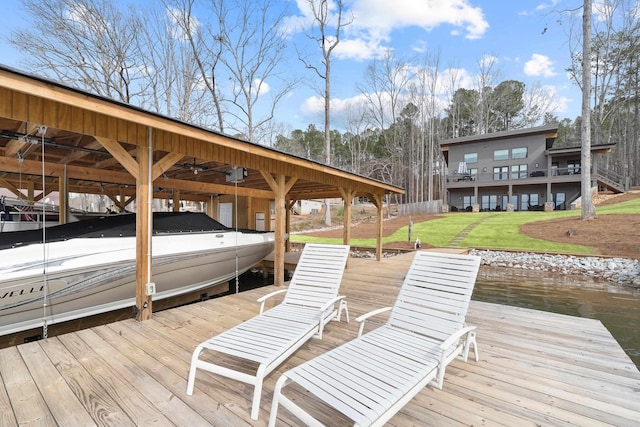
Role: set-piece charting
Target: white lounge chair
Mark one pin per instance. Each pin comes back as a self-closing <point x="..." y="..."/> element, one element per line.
<point x="311" y="300"/>
<point x="373" y="376"/>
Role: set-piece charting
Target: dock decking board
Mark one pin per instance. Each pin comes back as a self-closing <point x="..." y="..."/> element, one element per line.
<point x="535" y="368"/>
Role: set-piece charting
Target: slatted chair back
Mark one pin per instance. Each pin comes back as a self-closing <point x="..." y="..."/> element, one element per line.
<point x="435" y="295"/>
<point x="317" y="276"/>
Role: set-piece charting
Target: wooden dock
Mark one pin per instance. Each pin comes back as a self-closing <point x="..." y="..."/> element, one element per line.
<point x="535" y="369"/>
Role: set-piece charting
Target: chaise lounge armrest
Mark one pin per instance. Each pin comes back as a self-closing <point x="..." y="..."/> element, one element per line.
<point x="450" y="349"/>
<point x="365" y="316"/>
<point x="264" y="298"/>
<point x="446" y="344"/>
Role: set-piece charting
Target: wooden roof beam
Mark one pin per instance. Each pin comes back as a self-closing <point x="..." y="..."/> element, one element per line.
<point x="119" y="153"/>
<point x="6" y="184"/>
<point x="165" y="163"/>
<point x="75" y="155"/>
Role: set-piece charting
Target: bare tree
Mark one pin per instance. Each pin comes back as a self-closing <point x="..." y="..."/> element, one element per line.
<point x="171" y="72"/>
<point x="488" y="76"/>
<point x="206" y="48"/>
<point x="356" y="137"/>
<point x="538" y="102"/>
<point x="452" y="84"/>
<point x="385" y="87"/>
<point x="89" y="44"/>
<point x="588" y="209"/>
<point x="327" y="15"/>
<point x="428" y="77"/>
<point x="254" y="48"/>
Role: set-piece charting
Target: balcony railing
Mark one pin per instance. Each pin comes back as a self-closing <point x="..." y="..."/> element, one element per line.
<point x="537" y="175"/>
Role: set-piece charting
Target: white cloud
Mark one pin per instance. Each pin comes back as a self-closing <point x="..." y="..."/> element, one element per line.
<point x="359" y="49"/>
<point x="176" y="18"/>
<point x="373" y="21"/>
<point x="313" y="109"/>
<point x="487" y="61"/>
<point x="383" y="16"/>
<point x="563" y="104"/>
<point x="539" y="65"/>
<point x="544" y="6"/>
<point x="262" y="86"/>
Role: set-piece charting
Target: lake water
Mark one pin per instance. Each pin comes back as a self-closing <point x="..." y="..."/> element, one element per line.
<point x="616" y="307"/>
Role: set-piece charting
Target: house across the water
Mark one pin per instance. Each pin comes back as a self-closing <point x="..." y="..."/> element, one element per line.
<point x="519" y="170"/>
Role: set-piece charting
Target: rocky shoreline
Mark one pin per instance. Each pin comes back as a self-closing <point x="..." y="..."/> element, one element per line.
<point x="622" y="271"/>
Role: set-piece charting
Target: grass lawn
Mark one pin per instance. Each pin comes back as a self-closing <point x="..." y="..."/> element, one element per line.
<point x="489" y="230"/>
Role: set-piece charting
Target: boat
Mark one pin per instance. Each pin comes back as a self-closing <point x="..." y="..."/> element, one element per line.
<point x="88" y="267"/>
<point x="19" y="215"/>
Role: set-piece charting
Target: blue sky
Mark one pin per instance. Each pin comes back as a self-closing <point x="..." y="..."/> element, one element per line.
<point x="524" y="37"/>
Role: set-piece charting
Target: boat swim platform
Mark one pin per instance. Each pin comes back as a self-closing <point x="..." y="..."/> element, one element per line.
<point x="535" y="369"/>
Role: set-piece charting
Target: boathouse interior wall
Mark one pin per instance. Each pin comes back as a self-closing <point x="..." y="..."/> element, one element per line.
<point x="94" y="145"/>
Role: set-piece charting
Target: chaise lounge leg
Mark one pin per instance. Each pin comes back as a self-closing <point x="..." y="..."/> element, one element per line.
<point x="472" y="342"/>
<point x="192" y="369"/>
<point x="343" y="307"/>
<point x="275" y="403"/>
<point x="257" y="393"/>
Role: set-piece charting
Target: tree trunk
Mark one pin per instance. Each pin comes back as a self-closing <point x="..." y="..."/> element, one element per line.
<point x="588" y="210"/>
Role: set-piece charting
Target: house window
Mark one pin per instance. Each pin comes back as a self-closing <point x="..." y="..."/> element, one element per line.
<point x="529" y="201"/>
<point x="468" y="202"/>
<point x="518" y="171"/>
<point x="489" y="203"/>
<point x="573" y="167"/>
<point x="501" y="155"/>
<point x="501" y="172"/>
<point x="519" y="153"/>
<point x="471" y="157"/>
<point x="559" y="201"/>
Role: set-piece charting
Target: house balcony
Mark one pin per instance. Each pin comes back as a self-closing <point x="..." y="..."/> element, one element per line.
<point x="490" y="179"/>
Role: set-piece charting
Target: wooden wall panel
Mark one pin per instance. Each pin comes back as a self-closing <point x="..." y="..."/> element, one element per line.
<point x="89" y="122"/>
<point x="49" y="114"/>
<point x="77" y="120"/>
<point x="6" y="102"/>
<point x="112" y="127"/>
<point x="20" y="106"/>
<point x="123" y="130"/>
<point x="63" y="116"/>
<point x="34" y="110"/>
<point x="132" y="133"/>
<point x="101" y="126"/>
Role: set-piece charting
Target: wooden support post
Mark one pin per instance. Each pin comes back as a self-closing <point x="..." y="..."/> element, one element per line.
<point x="122" y="199"/>
<point x="144" y="225"/>
<point x="176" y="200"/>
<point x="378" y="202"/>
<point x="290" y="204"/>
<point x="280" y="187"/>
<point x="31" y="191"/>
<point x="279" y="250"/>
<point x="212" y="206"/>
<point x="63" y="197"/>
<point x="348" y="196"/>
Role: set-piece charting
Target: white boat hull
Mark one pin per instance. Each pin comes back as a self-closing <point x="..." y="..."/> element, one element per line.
<point x="88" y="276"/>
